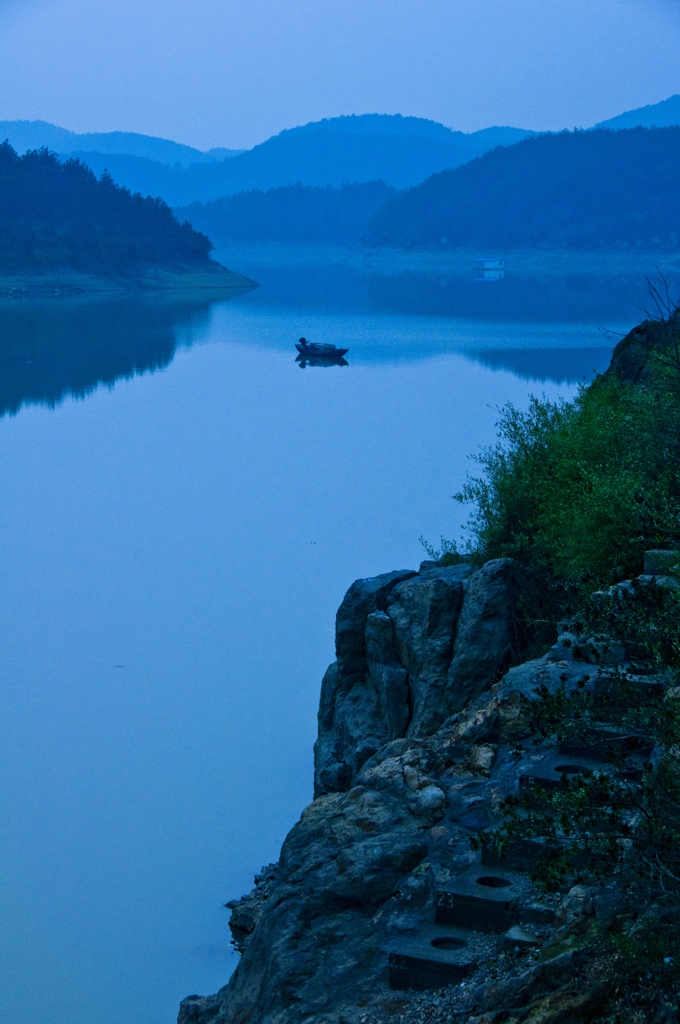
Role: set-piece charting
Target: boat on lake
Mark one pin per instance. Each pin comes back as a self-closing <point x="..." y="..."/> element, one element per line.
<point x="313" y="349"/>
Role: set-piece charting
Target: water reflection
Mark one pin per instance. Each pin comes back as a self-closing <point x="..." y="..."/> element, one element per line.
<point x="597" y="293"/>
<point x="561" y="365"/>
<point x="538" y="328"/>
<point x="305" y="361"/>
<point x="572" y="298"/>
<point x="53" y="348"/>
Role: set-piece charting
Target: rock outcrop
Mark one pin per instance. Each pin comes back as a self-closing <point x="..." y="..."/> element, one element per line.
<point x="412" y="648"/>
<point x="362" y="867"/>
<point x="420" y="731"/>
<point x="634" y="354"/>
<point x="381" y="886"/>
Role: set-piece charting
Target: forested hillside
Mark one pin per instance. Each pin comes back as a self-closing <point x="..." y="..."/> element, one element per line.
<point x="59" y="215"/>
<point x="296" y="213"/>
<point x="581" y="190"/>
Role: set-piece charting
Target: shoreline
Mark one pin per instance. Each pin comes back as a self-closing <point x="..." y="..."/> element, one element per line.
<point x="69" y="283"/>
<point x="519" y="262"/>
<point x="523" y="262"/>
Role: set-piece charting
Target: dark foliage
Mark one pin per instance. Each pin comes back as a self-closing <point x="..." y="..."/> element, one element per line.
<point x="296" y="213"/>
<point x="60" y="216"/>
<point x="580" y="190"/>
<point x="581" y="489"/>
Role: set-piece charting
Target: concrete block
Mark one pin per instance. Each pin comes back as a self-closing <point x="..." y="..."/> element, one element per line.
<point x="537" y="913"/>
<point x="481" y="899"/>
<point x="552" y="771"/>
<point x="601" y="745"/>
<point x="434" y="958"/>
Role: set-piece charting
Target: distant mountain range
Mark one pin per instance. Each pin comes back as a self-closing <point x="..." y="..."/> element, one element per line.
<point x="569" y="190"/>
<point x="24" y="135"/>
<point x="312" y="157"/>
<point x="401" y="151"/>
<point x="656" y="115"/>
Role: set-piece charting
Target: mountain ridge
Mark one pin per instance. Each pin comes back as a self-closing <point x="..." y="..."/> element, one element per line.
<point x="400" y="150"/>
<point x="584" y="190"/>
<point x="25" y="135"/>
<point x="653" y="115"/>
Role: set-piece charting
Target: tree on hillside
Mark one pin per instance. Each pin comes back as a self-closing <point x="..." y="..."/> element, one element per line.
<point x="59" y="215"/>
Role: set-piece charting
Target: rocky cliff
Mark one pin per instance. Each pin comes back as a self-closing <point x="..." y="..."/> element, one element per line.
<point x="412" y="648"/>
<point x="420" y="739"/>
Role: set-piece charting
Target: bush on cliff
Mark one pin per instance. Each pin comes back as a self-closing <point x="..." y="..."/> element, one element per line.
<point x="581" y="489"/>
<point x="60" y="216"/>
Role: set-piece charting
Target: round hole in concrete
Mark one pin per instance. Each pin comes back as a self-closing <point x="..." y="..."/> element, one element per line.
<point x="570" y="769"/>
<point x="494" y="882"/>
<point x="448" y="942"/>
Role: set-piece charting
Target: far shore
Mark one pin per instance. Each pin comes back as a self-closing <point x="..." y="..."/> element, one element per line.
<point x="524" y="262"/>
<point x="518" y="262"/>
<point x="215" y="278"/>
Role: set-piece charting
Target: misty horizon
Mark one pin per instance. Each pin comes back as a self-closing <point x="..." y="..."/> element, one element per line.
<point x="232" y="76"/>
<point x="220" y="149"/>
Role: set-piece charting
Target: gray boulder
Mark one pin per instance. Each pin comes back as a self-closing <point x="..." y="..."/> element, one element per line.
<point x="351" y="729"/>
<point x="352" y="724"/>
<point x="424" y="612"/>
<point x="412" y="649"/>
<point x="317" y="940"/>
<point x="634" y="356"/>
<point x="387" y="676"/>
<point x="485" y="645"/>
<point x="362" y="598"/>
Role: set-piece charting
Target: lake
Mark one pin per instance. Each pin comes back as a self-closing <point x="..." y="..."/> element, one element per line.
<point x="183" y="508"/>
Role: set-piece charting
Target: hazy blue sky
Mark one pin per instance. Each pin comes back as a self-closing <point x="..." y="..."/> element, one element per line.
<point x="220" y="72"/>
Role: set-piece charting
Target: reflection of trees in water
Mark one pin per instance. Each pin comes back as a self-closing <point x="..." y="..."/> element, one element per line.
<point x="561" y="365"/>
<point x="55" y="348"/>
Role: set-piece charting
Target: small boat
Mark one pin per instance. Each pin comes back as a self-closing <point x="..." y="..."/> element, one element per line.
<point x="308" y="349"/>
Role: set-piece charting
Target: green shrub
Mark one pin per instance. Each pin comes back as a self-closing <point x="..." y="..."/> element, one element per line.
<point x="582" y="488"/>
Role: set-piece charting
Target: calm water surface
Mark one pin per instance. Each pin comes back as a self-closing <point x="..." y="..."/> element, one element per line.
<point x="182" y="511"/>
